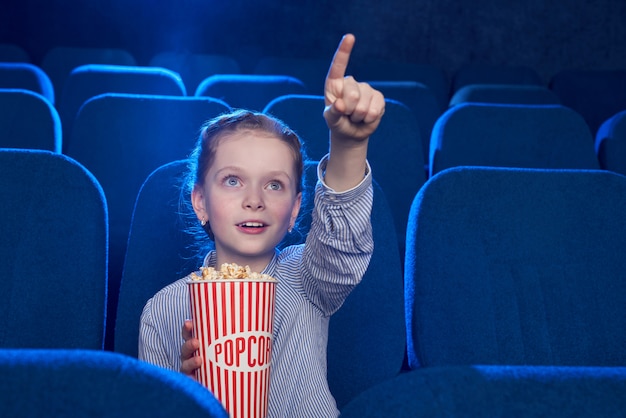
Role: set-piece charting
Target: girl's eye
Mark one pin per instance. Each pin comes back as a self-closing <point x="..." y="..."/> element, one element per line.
<point x="275" y="185"/>
<point x="231" y="181"/>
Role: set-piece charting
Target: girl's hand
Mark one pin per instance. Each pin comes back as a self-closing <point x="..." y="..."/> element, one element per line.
<point x="353" y="110"/>
<point x="190" y="362"/>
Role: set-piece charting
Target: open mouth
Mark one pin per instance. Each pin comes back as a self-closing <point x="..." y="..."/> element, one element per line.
<point x="251" y="225"/>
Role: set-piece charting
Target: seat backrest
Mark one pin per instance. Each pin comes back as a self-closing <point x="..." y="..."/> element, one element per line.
<point x="311" y="71"/>
<point x="526" y="136"/>
<point x="28" y="120"/>
<point x="417" y="97"/>
<point x="20" y="75"/>
<point x="249" y="91"/>
<point x="87" y="81"/>
<point x="122" y="138"/>
<point x="54" y="241"/>
<point x="517" y="266"/>
<point x="304" y="114"/>
<point x="67" y="383"/>
<point x="10" y="52"/>
<point x="433" y="77"/>
<point x="397" y="139"/>
<point x="59" y="61"/>
<point x="494" y="74"/>
<point x="494" y="391"/>
<point x="155" y="257"/>
<point x="595" y="94"/>
<point x="611" y="143"/>
<point x="195" y="67"/>
<point x="505" y="94"/>
<point x="159" y="256"/>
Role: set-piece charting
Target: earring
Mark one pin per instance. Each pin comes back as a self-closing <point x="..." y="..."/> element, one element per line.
<point x="290" y="229"/>
<point x="203" y="222"/>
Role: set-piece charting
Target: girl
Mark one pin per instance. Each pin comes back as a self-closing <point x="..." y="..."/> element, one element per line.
<point x="247" y="195"/>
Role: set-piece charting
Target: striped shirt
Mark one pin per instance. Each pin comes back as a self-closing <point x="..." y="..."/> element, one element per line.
<point x="314" y="279"/>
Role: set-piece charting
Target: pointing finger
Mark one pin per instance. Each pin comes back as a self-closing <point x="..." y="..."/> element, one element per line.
<point x="342" y="56"/>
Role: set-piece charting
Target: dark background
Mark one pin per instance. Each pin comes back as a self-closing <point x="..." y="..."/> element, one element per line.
<point x="546" y="35"/>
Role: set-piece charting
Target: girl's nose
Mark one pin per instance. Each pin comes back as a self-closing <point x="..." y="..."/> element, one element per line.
<point x="253" y="201"/>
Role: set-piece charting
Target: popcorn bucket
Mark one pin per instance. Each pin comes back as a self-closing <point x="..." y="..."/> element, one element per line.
<point x="233" y="320"/>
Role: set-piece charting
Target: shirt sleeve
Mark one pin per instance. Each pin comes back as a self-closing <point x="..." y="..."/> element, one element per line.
<point x="151" y="348"/>
<point x="339" y="244"/>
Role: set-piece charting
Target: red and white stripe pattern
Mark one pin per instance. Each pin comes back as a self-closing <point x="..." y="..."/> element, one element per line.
<point x="233" y="321"/>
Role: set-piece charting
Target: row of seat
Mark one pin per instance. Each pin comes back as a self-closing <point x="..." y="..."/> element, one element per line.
<point x="105" y="136"/>
<point x="503" y="267"/>
<point x="596" y="94"/>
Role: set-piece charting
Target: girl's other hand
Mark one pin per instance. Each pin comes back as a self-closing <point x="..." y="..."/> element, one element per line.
<point x="189" y="362"/>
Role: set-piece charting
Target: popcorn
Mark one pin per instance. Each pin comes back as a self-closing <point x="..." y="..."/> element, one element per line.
<point x="230" y="271"/>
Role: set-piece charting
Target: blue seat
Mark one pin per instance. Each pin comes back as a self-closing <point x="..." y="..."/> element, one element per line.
<point x="611" y="143"/>
<point x="509" y="266"/>
<point x="195" y="67"/>
<point x="305" y="115"/>
<point x="53" y="220"/>
<point x="526" y="136"/>
<point x="433" y="77"/>
<point x="155" y="257"/>
<point x="59" y="61"/>
<point x="494" y="74"/>
<point x="88" y="383"/>
<point x="122" y="138"/>
<point x="494" y="391"/>
<point x="505" y="94"/>
<point x="159" y="256"/>
<point x="87" y="81"/>
<point x="417" y="97"/>
<point x="20" y="75"/>
<point x="28" y="120"/>
<point x="595" y="94"/>
<point x="249" y="91"/>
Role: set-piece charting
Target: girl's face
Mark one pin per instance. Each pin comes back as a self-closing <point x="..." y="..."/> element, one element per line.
<point x="249" y="197"/>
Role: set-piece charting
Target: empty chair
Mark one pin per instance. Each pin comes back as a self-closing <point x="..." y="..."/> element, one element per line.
<point x="504" y="94"/>
<point x="58" y="62"/>
<point x="248" y="91"/>
<point x="431" y="76"/>
<point x="531" y="136"/>
<point x="367" y="346"/>
<point x="494" y="74"/>
<point x="10" y="52"/>
<point x="69" y="383"/>
<point x="121" y="139"/>
<point x="595" y="94"/>
<point x="159" y="256"/>
<point x="28" y="120"/>
<point x="54" y="252"/>
<point x="155" y="257"/>
<point x="20" y="75"/>
<point x="494" y="391"/>
<point x="417" y="97"/>
<point x="195" y="67"/>
<point x="311" y="71"/>
<point x="509" y="266"/>
<point x="395" y="149"/>
<point x="90" y="80"/>
<point x="611" y="143"/>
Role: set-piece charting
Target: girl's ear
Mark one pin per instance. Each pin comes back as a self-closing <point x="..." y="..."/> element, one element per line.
<point x="199" y="203"/>
<point x="295" y="210"/>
